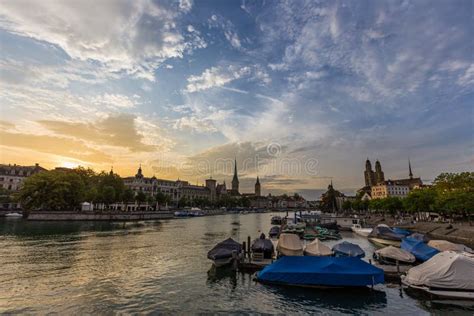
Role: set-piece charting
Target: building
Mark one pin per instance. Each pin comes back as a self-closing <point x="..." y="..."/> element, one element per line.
<point x="389" y="189"/>
<point x="257" y="187"/>
<point x="151" y="186"/>
<point x="13" y="176"/>
<point x="235" y="181"/>
<point x="377" y="178"/>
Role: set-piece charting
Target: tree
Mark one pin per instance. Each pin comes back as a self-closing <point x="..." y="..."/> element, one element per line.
<point x="108" y="195"/>
<point x="140" y="198"/>
<point x="52" y="190"/>
<point x="128" y="195"/>
<point x="347" y="205"/>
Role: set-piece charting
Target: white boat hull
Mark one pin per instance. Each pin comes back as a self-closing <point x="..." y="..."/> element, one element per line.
<point x="457" y="294"/>
<point x="362" y="231"/>
<point x="385" y="242"/>
<point x="13" y="215"/>
<point x="222" y="262"/>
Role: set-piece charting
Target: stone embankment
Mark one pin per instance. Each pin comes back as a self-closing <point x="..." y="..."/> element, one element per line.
<point x="98" y="216"/>
<point x="457" y="233"/>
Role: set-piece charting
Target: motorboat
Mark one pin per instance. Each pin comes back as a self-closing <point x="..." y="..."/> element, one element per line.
<point x="263" y="246"/>
<point x="444" y="245"/>
<point x="274" y="231"/>
<point x="312" y="271"/>
<point x="225" y="252"/>
<point x="392" y="255"/>
<point x="357" y="229"/>
<point x="289" y="245"/>
<point x="276" y="220"/>
<point x="401" y="231"/>
<point x="347" y="249"/>
<point x="181" y="214"/>
<point x="448" y="274"/>
<point x="317" y="248"/>
<point x="13" y="215"/>
<point x="419" y="237"/>
<point x="383" y="236"/>
<point x="419" y="249"/>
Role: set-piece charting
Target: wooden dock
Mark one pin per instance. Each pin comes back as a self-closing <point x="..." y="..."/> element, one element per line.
<point x="251" y="266"/>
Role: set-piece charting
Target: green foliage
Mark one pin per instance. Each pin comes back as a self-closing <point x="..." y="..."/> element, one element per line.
<point x="128" y="195"/>
<point x="52" y="190"/>
<point x="347" y="205"/>
<point x="140" y="197"/>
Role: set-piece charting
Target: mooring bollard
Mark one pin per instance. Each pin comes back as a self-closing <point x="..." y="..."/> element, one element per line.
<point x="248" y="246"/>
<point x="244" y="248"/>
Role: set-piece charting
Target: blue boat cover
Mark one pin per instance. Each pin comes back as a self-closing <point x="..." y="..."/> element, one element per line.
<point x="419" y="237"/>
<point x="419" y="249"/>
<point x="347" y="249"/>
<point x="401" y="231"/>
<point x="321" y="271"/>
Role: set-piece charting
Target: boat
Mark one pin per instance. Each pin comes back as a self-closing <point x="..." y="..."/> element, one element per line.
<point x="276" y="220"/>
<point x="419" y="249"/>
<point x="419" y="237"/>
<point x="448" y="274"/>
<point x="13" y="214"/>
<point x="310" y="271"/>
<point x="444" y="245"/>
<point x="321" y="233"/>
<point x="317" y="248"/>
<point x="401" y="231"/>
<point x="289" y="245"/>
<point x="225" y="252"/>
<point x="181" y="214"/>
<point x="347" y="249"/>
<point x="265" y="246"/>
<point x="357" y="229"/>
<point x="274" y="232"/>
<point x="391" y="255"/>
<point x="383" y="236"/>
<point x="292" y="228"/>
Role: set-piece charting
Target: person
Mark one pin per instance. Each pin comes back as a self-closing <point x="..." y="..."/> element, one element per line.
<point x="262" y="236"/>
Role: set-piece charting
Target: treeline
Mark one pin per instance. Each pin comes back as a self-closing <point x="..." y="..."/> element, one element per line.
<point x="66" y="189"/>
<point x="451" y="194"/>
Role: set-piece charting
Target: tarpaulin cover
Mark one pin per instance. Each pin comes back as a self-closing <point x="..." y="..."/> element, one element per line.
<point x="420" y="237"/>
<point x="419" y="249"/>
<point x="290" y="245"/>
<point x="224" y="249"/>
<point x="263" y="245"/>
<point x="401" y="231"/>
<point x="317" y="248"/>
<point x="274" y="231"/>
<point x="384" y="232"/>
<point x="323" y="271"/>
<point x="395" y="253"/>
<point x="444" y="245"/>
<point x="447" y="270"/>
<point x="348" y="249"/>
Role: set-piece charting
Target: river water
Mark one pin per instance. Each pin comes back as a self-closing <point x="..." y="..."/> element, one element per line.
<point x="161" y="267"/>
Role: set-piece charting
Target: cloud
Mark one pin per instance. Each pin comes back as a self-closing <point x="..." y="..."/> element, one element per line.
<point x="186" y="5"/>
<point x="134" y="37"/>
<point x="119" y="130"/>
<point x="216" y="77"/>
<point x="114" y="101"/>
<point x="54" y="145"/>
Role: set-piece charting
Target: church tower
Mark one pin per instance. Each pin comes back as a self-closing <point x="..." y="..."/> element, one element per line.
<point x="379" y="175"/>
<point x="369" y="174"/>
<point x="257" y="187"/>
<point x="235" y="180"/>
<point x="139" y="174"/>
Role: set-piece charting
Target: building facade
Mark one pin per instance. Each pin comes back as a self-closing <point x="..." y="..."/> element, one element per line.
<point x="390" y="189"/>
<point x="13" y="176"/>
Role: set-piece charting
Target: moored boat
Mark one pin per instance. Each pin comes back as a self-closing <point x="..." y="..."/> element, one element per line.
<point x="448" y="275"/>
<point x="356" y="228"/>
<point x="317" y="248"/>
<point x="383" y="236"/>
<point x="13" y="214"/>
<point x="276" y="220"/>
<point x="263" y="246"/>
<point x="274" y="232"/>
<point x="391" y="255"/>
<point x="289" y="245"/>
<point x="311" y="271"/>
<point x="347" y="249"/>
<point x="225" y="252"/>
<point x="419" y="249"/>
<point x="444" y="245"/>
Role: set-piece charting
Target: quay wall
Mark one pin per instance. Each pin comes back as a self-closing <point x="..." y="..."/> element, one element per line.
<point x="98" y="216"/>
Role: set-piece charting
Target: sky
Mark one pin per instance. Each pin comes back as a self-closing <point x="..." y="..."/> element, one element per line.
<point x="300" y="93"/>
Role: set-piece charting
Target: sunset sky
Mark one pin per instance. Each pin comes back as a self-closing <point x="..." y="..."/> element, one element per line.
<point x="300" y="92"/>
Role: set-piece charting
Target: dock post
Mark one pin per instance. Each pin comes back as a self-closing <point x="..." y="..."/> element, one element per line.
<point x="248" y="246"/>
<point x="234" y="260"/>
<point x="370" y="261"/>
<point x="244" y="248"/>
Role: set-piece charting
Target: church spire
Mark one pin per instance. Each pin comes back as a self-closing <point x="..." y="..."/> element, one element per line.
<point x="409" y="168"/>
<point x="235" y="179"/>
